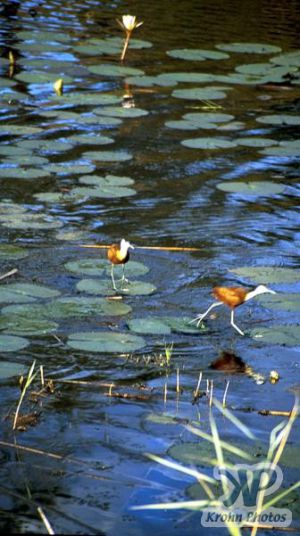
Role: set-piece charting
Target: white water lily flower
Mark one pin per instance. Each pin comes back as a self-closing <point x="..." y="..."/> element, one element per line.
<point x="129" y="23"/>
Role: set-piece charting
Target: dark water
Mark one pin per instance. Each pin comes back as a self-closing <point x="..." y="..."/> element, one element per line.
<point x="101" y="440"/>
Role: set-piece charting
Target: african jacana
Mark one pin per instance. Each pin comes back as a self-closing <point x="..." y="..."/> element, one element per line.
<point x="233" y="297"/>
<point x="119" y="254"/>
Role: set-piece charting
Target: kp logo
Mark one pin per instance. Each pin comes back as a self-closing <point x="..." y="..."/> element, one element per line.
<point x="244" y="484"/>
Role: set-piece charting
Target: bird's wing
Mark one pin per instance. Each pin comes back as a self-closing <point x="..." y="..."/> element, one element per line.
<point x="232" y="296"/>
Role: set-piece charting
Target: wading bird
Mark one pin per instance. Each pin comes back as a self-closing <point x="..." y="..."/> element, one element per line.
<point x="119" y="254"/>
<point x="233" y="297"/>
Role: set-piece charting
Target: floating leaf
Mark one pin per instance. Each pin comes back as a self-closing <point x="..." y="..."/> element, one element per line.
<point x="69" y="307"/>
<point x="23" y="173"/>
<point x="189" y="77"/>
<point x="108" y="180"/>
<point x="281" y="302"/>
<point x="88" y="99"/>
<point x="255" y="141"/>
<point x="183" y="325"/>
<point x="68" y="169"/>
<point x="26" y="325"/>
<point x="279" y="119"/>
<point x="19" y="130"/>
<point x="249" y="48"/>
<point x="31" y="290"/>
<point x="85" y="139"/>
<point x="199" y="93"/>
<point x="40" y="77"/>
<point x="267" y="274"/>
<point x="105" y="342"/>
<point x="119" y="111"/>
<point x="46" y="146"/>
<point x="8" y="369"/>
<point x="252" y="187"/>
<point x="208" y="143"/>
<point x="14" y="150"/>
<point x="11" y="252"/>
<point x="291" y="59"/>
<point x="108" y="156"/>
<point x="31" y="35"/>
<point x="151" y="326"/>
<point x="105" y="69"/>
<point x="97" y="267"/>
<point x="283" y="335"/>
<point x="195" y="54"/>
<point x="9" y="343"/>
<point x="209" y="117"/>
<point x="133" y="288"/>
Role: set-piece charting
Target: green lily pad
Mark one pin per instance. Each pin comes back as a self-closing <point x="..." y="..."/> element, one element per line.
<point x="9" y="343"/>
<point x="25" y="325"/>
<point x="30" y="221"/>
<point x="134" y="43"/>
<point x="69" y="307"/>
<point x="195" y="54"/>
<point x="29" y="290"/>
<point x="202" y="453"/>
<point x="199" y="93"/>
<point x="182" y="325"/>
<point x="108" y="156"/>
<point x="105" y="69"/>
<point x="151" y="326"/>
<point x="104" y="287"/>
<point x="108" y="180"/>
<point x="107" y="192"/>
<point x="26" y="35"/>
<point x="256" y="141"/>
<point x="19" y="130"/>
<point x="269" y="274"/>
<point x="188" y="77"/>
<point x="282" y="335"/>
<point x="208" y="143"/>
<point x="85" y="139"/>
<point x="41" y="77"/>
<point x="291" y="59"/>
<point x="149" y="81"/>
<point x="281" y="302"/>
<point x="28" y="160"/>
<point x="46" y="146"/>
<point x="105" y="120"/>
<point x="119" y="111"/>
<point x="8" y="369"/>
<point x="288" y="149"/>
<point x="252" y="187"/>
<point x="105" y="342"/>
<point x="88" y="99"/>
<point x="209" y="117"/>
<point x="67" y="169"/>
<point x="14" y="150"/>
<point x="23" y="173"/>
<point x="97" y="267"/>
<point x="279" y="119"/>
<point x="11" y="252"/>
<point x="249" y="48"/>
<point x="184" y="124"/>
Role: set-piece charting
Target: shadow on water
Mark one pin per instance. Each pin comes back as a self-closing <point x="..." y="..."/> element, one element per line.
<point x="215" y="170"/>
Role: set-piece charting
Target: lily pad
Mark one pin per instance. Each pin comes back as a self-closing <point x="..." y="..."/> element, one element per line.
<point x="267" y="274"/>
<point x="119" y="111"/>
<point x="88" y="99"/>
<point x="195" y="54"/>
<point x="107" y="192"/>
<point x="11" y="252"/>
<point x="19" y="130"/>
<point x="108" y="180"/>
<point x="26" y="290"/>
<point x="189" y="77"/>
<point x="209" y="117"/>
<point x="85" y="139"/>
<point x="41" y="77"/>
<point x="30" y="35"/>
<point x="291" y="59"/>
<point x="108" y="156"/>
<point x="199" y="93"/>
<point x="208" y="143"/>
<point x="105" y="342"/>
<point x="282" y="335"/>
<point x="68" y="169"/>
<point x="252" y="187"/>
<point x="281" y="302"/>
<point x="23" y="173"/>
<point x="151" y="326"/>
<point x="279" y="119"/>
<point x="182" y="325"/>
<point x="256" y="141"/>
<point x="133" y="288"/>
<point x="105" y="69"/>
<point x="8" y="369"/>
<point x="249" y="48"/>
<point x="9" y="343"/>
<point x="97" y="267"/>
<point x="69" y="307"/>
<point x="47" y="146"/>
<point x="26" y="325"/>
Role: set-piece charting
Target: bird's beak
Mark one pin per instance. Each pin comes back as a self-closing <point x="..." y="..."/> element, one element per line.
<point x="131" y="246"/>
<point x="272" y="291"/>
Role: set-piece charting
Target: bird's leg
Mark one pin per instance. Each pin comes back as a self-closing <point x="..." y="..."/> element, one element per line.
<point x="123" y="274"/>
<point x="234" y="325"/>
<point x="198" y="319"/>
<point x="112" y="277"/>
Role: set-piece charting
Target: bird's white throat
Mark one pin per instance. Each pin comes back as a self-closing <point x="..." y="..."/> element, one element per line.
<point x="261" y="289"/>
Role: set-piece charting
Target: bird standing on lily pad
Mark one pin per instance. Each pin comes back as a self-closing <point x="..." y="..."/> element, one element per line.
<point x="128" y="24"/>
<point x="119" y="254"/>
<point x="233" y="297"/>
